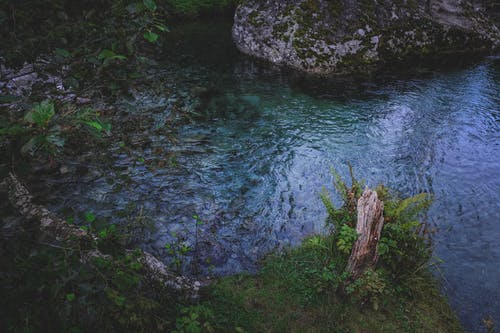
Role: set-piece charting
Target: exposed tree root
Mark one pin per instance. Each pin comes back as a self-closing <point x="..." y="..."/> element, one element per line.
<point x="57" y="228"/>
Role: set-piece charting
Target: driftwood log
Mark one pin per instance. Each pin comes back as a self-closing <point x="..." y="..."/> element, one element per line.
<point x="370" y="220"/>
<point x="55" y="227"/>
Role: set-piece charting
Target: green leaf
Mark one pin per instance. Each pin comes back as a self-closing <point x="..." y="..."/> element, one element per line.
<point x="70" y="297"/>
<point x="31" y="146"/>
<point x="151" y="36"/>
<point x="120" y="300"/>
<point x="94" y="124"/>
<point x="50" y="143"/>
<point x="41" y="113"/>
<point x="62" y="53"/>
<point x="150" y="4"/>
<point x="135" y="8"/>
<point x="119" y="57"/>
<point x="106" y="127"/>
<point x="90" y="217"/>
<point x="161" y="27"/>
<point x="55" y="141"/>
<point x="113" y="86"/>
<point x="107" y="55"/>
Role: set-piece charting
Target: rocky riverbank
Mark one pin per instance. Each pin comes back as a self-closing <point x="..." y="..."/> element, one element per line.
<point x="338" y="36"/>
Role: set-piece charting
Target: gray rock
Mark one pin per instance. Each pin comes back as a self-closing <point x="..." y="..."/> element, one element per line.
<point x="332" y="36"/>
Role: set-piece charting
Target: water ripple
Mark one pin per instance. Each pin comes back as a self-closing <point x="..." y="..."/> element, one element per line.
<point x="252" y="170"/>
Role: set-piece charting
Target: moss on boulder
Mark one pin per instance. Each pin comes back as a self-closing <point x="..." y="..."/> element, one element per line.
<point x="332" y="36"/>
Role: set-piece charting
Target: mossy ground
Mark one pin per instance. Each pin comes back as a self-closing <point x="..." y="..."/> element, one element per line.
<point x="288" y="296"/>
<point x="309" y="289"/>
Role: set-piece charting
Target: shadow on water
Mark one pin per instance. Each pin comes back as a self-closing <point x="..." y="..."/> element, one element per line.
<point x="259" y="144"/>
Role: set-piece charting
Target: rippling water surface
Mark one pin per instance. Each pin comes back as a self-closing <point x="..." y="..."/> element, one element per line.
<point x="258" y="150"/>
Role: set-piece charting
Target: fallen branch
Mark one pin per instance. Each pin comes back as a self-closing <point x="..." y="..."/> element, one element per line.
<point x="50" y="223"/>
<point x="57" y="228"/>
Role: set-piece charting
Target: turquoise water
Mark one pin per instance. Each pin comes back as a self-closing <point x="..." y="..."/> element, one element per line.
<point x="259" y="145"/>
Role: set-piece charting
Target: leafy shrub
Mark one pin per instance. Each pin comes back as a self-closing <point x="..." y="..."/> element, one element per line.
<point x="41" y="114"/>
<point x="346" y="238"/>
<point x="404" y="247"/>
<point x="49" y="288"/>
<point x="92" y="122"/>
<point x="45" y="129"/>
<point x="46" y="135"/>
<point x="99" y="39"/>
<point x="369" y="288"/>
<point x="194" y="319"/>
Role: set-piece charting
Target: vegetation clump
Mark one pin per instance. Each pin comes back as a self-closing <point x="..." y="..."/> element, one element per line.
<point x="45" y="286"/>
<point x="49" y="286"/>
<point x="308" y="289"/>
<point x="44" y="129"/>
<point x="92" y="40"/>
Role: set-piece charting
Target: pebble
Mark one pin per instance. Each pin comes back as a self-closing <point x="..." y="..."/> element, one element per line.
<point x="83" y="100"/>
<point x="63" y="170"/>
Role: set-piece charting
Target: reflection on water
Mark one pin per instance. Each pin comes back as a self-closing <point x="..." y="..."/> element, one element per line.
<point x="260" y="144"/>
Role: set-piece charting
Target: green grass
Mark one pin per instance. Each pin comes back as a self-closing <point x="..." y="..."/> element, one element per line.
<point x="290" y="295"/>
<point x="307" y="289"/>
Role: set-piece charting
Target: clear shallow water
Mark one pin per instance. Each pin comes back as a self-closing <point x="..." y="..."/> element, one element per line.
<point x="259" y="146"/>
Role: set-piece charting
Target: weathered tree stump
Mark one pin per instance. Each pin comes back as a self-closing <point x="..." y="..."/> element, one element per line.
<point x="370" y="220"/>
<point x="57" y="228"/>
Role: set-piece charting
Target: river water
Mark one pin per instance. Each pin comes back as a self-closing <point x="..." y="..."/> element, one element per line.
<point x="260" y="144"/>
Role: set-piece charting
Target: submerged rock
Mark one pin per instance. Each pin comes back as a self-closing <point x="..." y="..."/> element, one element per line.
<point x="328" y="36"/>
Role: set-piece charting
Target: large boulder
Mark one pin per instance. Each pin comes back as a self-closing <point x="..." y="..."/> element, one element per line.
<point x="335" y="36"/>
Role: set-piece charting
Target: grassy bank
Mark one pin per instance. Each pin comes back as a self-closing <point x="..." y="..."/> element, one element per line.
<point x="305" y="289"/>
<point x="309" y="289"/>
<point x="46" y="287"/>
<point x="291" y="294"/>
